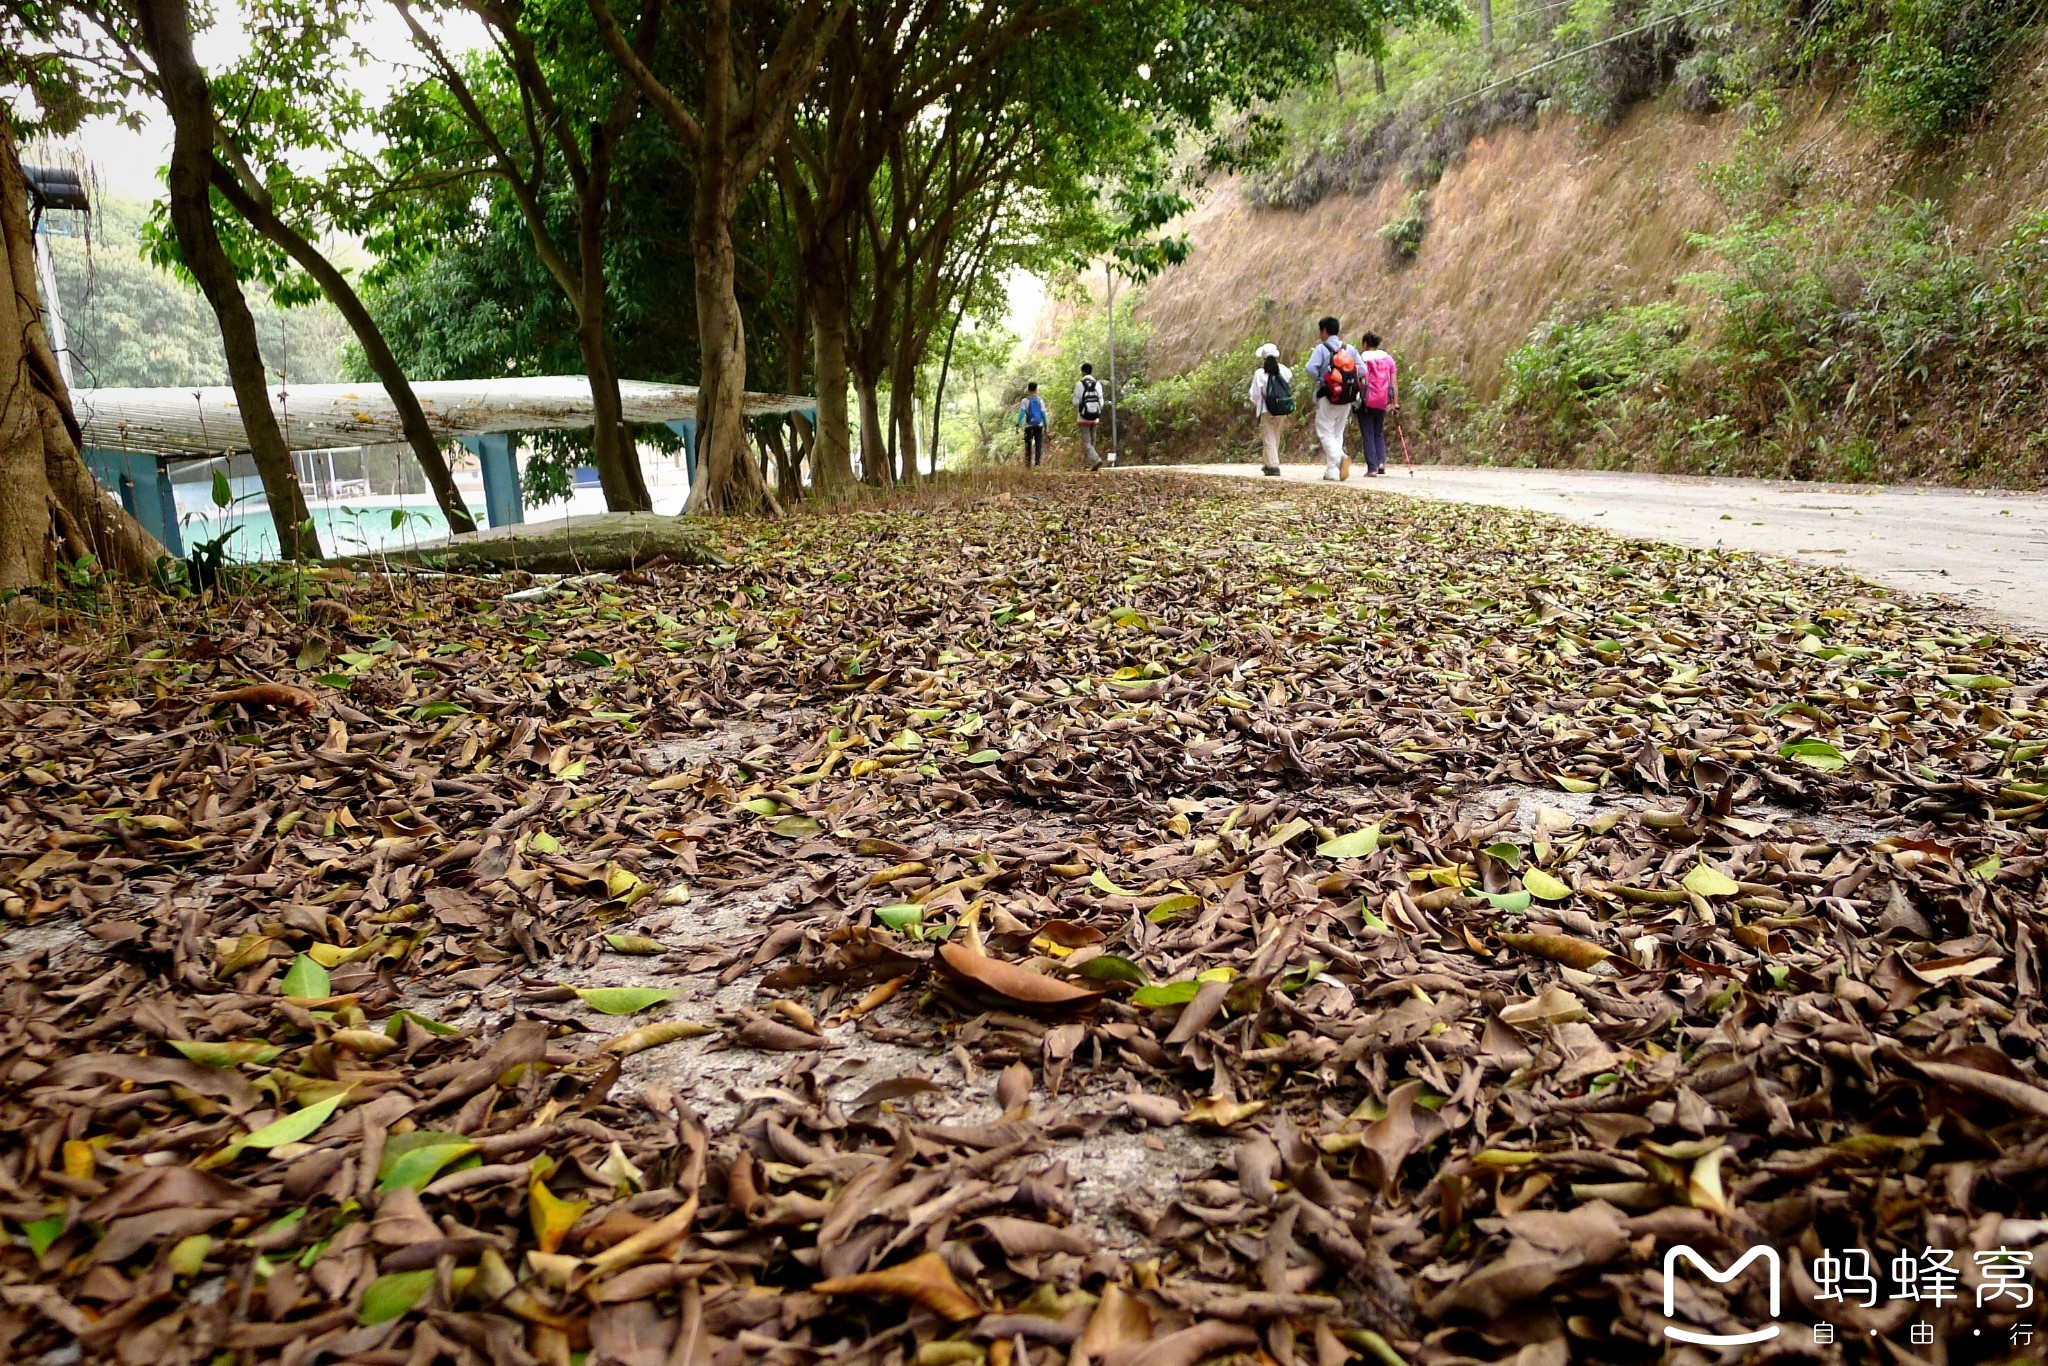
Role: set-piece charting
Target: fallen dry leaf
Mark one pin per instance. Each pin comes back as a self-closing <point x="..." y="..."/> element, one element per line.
<point x="924" y="1280"/>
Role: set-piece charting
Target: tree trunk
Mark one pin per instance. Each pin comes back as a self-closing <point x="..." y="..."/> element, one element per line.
<point x="50" y="505"/>
<point x="167" y="30"/>
<point x="777" y="447"/>
<point x="612" y="448"/>
<point x="903" y="420"/>
<point x="255" y="207"/>
<point x="939" y="389"/>
<point x="874" y="450"/>
<point x="727" y="480"/>
<point x="832" y="455"/>
<point x="790" y="457"/>
<point x="1486" y="23"/>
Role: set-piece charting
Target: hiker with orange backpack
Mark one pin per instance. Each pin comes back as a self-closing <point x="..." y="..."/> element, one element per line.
<point x="1336" y="370"/>
<point x="1378" y="395"/>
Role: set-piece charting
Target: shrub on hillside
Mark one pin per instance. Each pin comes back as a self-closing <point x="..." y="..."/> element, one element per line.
<point x="1825" y="345"/>
<point x="1925" y="68"/>
<point x="1930" y="65"/>
<point x="1576" y="359"/>
<point x="1628" y="51"/>
<point x="1199" y="415"/>
<point x="1403" y="235"/>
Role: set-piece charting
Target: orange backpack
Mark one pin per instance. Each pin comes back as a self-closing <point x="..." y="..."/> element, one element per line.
<point x="1340" y="381"/>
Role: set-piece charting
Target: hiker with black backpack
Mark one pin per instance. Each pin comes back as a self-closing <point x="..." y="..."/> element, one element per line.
<point x="1088" y="402"/>
<point x="1272" y="397"/>
<point x="1335" y="367"/>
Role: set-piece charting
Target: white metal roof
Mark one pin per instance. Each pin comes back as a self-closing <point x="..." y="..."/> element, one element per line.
<point x="201" y="422"/>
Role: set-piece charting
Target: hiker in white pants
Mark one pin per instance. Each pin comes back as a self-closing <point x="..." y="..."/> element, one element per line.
<point x="1335" y="368"/>
<point x="1332" y="421"/>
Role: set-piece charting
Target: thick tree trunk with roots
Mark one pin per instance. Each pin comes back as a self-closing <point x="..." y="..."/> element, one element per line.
<point x="727" y="480"/>
<point x="51" y="507"/>
<point x="167" y="31"/>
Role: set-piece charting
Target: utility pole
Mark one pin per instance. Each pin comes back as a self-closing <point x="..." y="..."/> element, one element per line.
<point x="54" y="187"/>
<point x="1109" y="272"/>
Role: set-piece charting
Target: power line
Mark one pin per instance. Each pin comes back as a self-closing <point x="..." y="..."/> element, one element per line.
<point x="1579" y="52"/>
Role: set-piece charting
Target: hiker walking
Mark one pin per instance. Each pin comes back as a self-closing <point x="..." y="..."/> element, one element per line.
<point x="1031" y="417"/>
<point x="1272" y="397"/>
<point x="1334" y="367"/>
<point x="1088" y="402"/>
<point x="1379" y="393"/>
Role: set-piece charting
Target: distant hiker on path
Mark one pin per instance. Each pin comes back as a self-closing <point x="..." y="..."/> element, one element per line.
<point x="1031" y="417"/>
<point x="1335" y="368"/>
<point x="1272" y="399"/>
<point x="1088" y="402"/>
<point x="1378" y="395"/>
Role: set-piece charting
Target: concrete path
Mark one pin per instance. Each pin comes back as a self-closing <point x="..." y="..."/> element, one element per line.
<point x="1988" y="551"/>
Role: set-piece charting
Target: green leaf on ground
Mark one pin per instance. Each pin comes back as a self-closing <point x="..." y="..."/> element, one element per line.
<point x="306" y="980"/>
<point x="1357" y="844"/>
<point x="1813" y="753"/>
<point x="1110" y="967"/>
<point x="625" y="1000"/>
<point x="390" y="1296"/>
<point x="295" y="1127"/>
<point x="1709" y="883"/>
<point x="227" y="1054"/>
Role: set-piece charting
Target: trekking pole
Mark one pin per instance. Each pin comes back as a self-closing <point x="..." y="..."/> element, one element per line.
<point x="1406" y="458"/>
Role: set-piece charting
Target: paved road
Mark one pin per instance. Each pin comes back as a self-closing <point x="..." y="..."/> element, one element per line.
<point x="1988" y="551"/>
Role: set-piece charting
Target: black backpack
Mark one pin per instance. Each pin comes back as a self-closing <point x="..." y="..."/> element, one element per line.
<point x="1090" y="407"/>
<point x="1279" y="394"/>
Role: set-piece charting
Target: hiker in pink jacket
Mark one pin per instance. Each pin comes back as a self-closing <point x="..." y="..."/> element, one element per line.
<point x="1379" y="393"/>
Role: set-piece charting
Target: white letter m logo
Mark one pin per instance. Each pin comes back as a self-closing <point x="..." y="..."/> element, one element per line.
<point x="1718" y="1277"/>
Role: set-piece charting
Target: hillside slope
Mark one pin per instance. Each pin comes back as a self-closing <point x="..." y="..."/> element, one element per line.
<point x="1798" y="290"/>
<point x="1532" y="217"/>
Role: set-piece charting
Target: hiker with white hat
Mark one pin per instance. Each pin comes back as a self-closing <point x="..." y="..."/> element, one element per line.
<point x="1273" y="400"/>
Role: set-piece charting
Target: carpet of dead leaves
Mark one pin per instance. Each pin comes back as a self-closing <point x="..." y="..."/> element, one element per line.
<point x="1132" y="923"/>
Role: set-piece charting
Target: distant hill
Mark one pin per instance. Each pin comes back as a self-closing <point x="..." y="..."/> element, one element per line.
<point x="130" y="324"/>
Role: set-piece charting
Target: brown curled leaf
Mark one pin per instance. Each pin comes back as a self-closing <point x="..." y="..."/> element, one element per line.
<point x="925" y="1280"/>
<point x="1186" y="1347"/>
<point x="273" y="696"/>
<point x="654" y="1036"/>
<point x="1008" y="980"/>
<point x="1561" y="948"/>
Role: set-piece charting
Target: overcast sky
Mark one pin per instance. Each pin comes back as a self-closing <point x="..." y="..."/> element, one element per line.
<point x="126" y="161"/>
